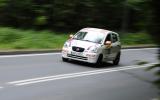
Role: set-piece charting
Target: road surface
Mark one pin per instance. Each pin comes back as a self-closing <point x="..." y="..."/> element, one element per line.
<point x="47" y="77"/>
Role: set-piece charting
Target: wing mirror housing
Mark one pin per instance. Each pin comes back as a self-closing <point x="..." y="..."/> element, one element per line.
<point x="108" y="44"/>
<point x="70" y="36"/>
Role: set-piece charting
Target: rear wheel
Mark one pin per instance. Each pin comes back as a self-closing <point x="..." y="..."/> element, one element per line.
<point x="117" y="59"/>
<point x="64" y="59"/>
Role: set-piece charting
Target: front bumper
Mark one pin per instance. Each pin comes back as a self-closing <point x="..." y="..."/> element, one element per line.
<point x="80" y="56"/>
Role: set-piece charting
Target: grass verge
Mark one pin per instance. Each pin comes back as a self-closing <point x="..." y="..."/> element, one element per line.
<point x="11" y="38"/>
<point x="140" y="38"/>
<point x="29" y="39"/>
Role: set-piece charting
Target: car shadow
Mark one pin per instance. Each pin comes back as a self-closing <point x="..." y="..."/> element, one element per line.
<point x="103" y="65"/>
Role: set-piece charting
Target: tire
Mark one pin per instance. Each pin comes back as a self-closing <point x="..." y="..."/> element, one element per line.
<point x="64" y="59"/>
<point x="117" y="59"/>
<point x="99" y="61"/>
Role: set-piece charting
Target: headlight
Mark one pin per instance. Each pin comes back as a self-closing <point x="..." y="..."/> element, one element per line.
<point x="66" y="45"/>
<point x="92" y="49"/>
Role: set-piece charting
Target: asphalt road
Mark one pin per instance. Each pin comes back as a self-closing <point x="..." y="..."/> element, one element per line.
<point x="46" y="77"/>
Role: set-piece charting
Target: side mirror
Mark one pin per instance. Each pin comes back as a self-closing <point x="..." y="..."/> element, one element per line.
<point x="108" y="44"/>
<point x="70" y="36"/>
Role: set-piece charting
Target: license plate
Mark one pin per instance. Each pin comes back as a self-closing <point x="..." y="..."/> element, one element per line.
<point x="77" y="53"/>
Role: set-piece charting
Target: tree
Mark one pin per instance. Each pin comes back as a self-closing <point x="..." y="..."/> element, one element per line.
<point x="61" y="15"/>
<point x="154" y="31"/>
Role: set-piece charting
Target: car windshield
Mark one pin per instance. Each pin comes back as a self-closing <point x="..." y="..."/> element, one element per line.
<point x="95" y="37"/>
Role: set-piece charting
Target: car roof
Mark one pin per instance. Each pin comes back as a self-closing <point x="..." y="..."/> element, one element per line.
<point x="96" y="30"/>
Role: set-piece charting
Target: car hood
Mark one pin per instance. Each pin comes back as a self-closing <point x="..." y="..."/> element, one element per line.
<point x="83" y="44"/>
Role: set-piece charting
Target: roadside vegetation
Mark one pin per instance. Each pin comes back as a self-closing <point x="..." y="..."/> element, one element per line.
<point x="29" y="39"/>
<point x="138" y="38"/>
<point x="11" y="38"/>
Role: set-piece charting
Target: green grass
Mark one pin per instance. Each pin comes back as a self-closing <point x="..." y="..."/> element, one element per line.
<point x="136" y="38"/>
<point x="28" y="39"/>
<point x="11" y="38"/>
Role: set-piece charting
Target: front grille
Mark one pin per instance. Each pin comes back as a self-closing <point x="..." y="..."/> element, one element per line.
<point x="77" y="57"/>
<point x="77" y="49"/>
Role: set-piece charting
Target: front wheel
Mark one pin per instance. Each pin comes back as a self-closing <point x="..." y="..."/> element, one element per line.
<point x="64" y="59"/>
<point x="99" y="61"/>
<point x="117" y="59"/>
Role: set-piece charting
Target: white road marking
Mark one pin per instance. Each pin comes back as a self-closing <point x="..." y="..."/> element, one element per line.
<point x="28" y="55"/>
<point x="139" y="49"/>
<point x="74" y="75"/>
<point x="1" y="87"/>
<point x="155" y="99"/>
<point x="58" y="53"/>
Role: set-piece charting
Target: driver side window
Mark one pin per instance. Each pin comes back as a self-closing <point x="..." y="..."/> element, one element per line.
<point x="108" y="38"/>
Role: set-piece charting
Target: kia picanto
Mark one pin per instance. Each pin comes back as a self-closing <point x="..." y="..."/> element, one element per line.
<point x="93" y="45"/>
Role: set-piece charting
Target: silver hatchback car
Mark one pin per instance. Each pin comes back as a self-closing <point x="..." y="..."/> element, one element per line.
<point x="93" y="45"/>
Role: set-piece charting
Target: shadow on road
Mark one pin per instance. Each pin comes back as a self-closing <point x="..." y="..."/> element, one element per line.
<point x="103" y="65"/>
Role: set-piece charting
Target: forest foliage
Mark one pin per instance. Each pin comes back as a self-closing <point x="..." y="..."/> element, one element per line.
<point x="69" y="15"/>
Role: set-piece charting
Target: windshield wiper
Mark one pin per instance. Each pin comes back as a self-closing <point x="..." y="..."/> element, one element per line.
<point x="92" y="41"/>
<point x="76" y="38"/>
<point x="88" y="40"/>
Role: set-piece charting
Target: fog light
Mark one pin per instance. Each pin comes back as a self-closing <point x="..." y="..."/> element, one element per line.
<point x="64" y="51"/>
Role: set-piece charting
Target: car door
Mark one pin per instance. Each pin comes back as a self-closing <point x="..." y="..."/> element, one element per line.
<point x="115" y="45"/>
<point x="107" y="52"/>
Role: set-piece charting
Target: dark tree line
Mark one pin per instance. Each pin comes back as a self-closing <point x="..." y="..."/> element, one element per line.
<point x="154" y="31"/>
<point x="121" y="15"/>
